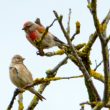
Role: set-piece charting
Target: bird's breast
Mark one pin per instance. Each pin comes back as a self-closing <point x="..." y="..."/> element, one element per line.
<point x="33" y="36"/>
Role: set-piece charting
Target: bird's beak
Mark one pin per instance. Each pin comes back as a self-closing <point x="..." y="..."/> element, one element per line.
<point x="23" y="28"/>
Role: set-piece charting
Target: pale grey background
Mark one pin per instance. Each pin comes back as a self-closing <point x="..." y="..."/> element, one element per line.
<point x="65" y="94"/>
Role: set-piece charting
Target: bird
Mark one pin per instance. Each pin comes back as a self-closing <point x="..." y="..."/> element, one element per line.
<point x="34" y="33"/>
<point x="21" y="76"/>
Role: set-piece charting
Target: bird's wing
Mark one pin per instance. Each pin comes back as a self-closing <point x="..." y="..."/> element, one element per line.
<point x="13" y="70"/>
<point x="40" y="28"/>
<point x="24" y="74"/>
<point x="15" y="77"/>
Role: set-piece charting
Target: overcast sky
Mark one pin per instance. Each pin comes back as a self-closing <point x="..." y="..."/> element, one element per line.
<point x="60" y="95"/>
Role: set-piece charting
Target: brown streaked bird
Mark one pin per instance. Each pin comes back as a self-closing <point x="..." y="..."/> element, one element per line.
<point x="21" y="76"/>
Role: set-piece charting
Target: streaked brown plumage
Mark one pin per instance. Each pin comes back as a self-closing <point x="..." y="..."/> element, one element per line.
<point x="21" y="76"/>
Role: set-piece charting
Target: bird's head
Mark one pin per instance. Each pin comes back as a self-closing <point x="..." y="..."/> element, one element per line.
<point x="17" y="59"/>
<point x="27" y="26"/>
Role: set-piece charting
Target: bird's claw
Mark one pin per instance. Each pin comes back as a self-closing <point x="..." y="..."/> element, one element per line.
<point x="17" y="90"/>
<point x="40" y="53"/>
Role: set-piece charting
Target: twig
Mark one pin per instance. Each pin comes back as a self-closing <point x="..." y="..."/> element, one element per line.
<point x="58" y="52"/>
<point x="101" y="31"/>
<point x="46" y="31"/>
<point x="79" y="60"/>
<point x="98" y="105"/>
<point x="93" y="36"/>
<point x="97" y="76"/>
<point x="93" y="104"/>
<point x="107" y="18"/>
<point x="38" y="81"/>
<point x="42" y="87"/>
<point x="108" y="39"/>
<point x="88" y="103"/>
<point x="82" y="107"/>
<point x="20" y="102"/>
<point x="89" y="1"/>
<point x="81" y="65"/>
<point x="62" y="51"/>
<point x="77" y="30"/>
<point x="16" y="92"/>
<point x="97" y="65"/>
<point x="89" y="5"/>
<point x="68" y="24"/>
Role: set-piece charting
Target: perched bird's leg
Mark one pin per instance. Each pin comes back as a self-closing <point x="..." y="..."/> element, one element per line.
<point x="17" y="90"/>
<point x="40" y="52"/>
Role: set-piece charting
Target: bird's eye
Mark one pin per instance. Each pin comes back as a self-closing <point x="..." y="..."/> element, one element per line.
<point x="27" y="26"/>
<point x="18" y="58"/>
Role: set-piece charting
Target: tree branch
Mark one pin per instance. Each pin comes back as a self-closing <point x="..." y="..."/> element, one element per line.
<point x="42" y="87"/>
<point x="79" y="62"/>
<point x="68" y="24"/>
<point x="45" y="32"/>
<point x="20" y="102"/>
<point x="101" y="31"/>
<point x="93" y="36"/>
<point x="77" y="30"/>
<point x="108" y="39"/>
<point x="81" y="65"/>
<point x="16" y="92"/>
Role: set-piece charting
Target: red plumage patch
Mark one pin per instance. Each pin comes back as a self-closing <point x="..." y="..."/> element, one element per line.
<point x="33" y="36"/>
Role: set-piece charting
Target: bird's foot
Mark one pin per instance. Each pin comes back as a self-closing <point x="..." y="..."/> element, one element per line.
<point x="17" y="90"/>
<point x="40" y="53"/>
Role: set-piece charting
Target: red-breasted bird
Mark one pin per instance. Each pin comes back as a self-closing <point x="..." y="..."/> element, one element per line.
<point x="21" y="76"/>
<point x="34" y="34"/>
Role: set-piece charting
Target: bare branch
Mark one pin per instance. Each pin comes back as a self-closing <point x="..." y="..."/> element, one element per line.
<point x="93" y="36"/>
<point x="101" y="31"/>
<point x="99" y="106"/>
<point x="38" y="81"/>
<point x="81" y="65"/>
<point x="68" y="24"/>
<point x="107" y="18"/>
<point x="58" y="52"/>
<point x="97" y="65"/>
<point x="89" y="1"/>
<point x="88" y="103"/>
<point x="108" y="39"/>
<point x="97" y="75"/>
<point x="82" y="107"/>
<point x="62" y="51"/>
<point x="20" y="102"/>
<point x="42" y="87"/>
<point x="16" y="92"/>
<point x="46" y="31"/>
<point x="77" y="30"/>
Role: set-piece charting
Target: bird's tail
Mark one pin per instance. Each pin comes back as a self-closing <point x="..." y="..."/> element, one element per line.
<point x="32" y="90"/>
<point x="59" y="43"/>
